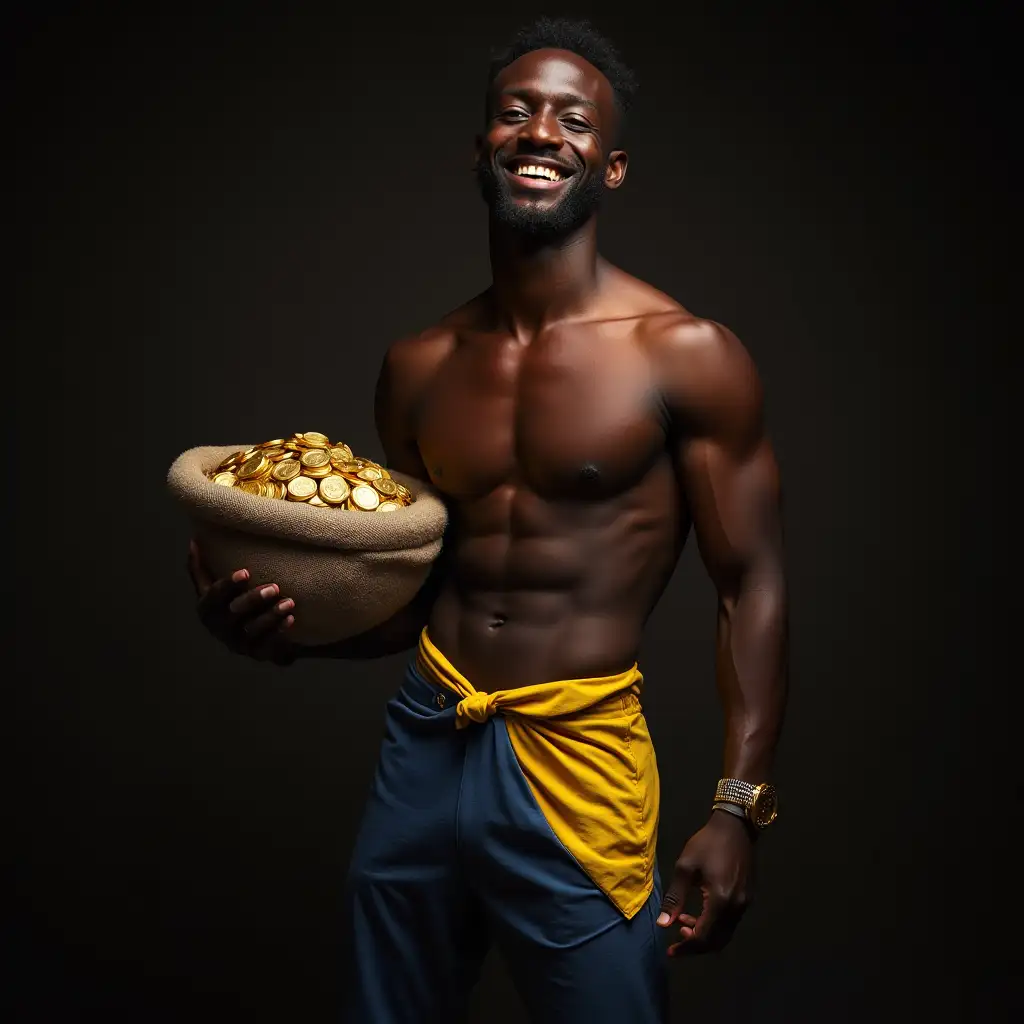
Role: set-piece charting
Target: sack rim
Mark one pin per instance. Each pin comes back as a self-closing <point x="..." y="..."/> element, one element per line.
<point x="417" y="525"/>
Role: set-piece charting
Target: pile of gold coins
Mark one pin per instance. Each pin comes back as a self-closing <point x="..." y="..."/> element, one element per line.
<point x="310" y="468"/>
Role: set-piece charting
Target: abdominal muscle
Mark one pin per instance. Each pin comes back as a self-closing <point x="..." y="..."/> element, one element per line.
<point x="503" y="641"/>
<point x="524" y="607"/>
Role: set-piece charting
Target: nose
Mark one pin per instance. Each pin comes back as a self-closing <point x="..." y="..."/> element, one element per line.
<point x="543" y="130"/>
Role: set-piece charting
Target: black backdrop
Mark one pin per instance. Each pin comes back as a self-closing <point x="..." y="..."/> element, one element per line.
<point x="229" y="215"/>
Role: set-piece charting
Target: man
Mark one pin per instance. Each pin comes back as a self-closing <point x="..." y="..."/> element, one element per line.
<point x="577" y="422"/>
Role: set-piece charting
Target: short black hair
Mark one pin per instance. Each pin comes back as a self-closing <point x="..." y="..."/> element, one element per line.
<point x="579" y="37"/>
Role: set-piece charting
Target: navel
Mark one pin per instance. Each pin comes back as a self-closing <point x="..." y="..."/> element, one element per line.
<point x="589" y="472"/>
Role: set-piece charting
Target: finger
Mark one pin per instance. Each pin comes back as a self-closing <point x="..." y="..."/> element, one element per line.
<point x="272" y="644"/>
<point x="254" y="602"/>
<point x="268" y="622"/>
<point x="711" y="931"/>
<point x="675" y="896"/>
<point x="285" y="652"/>
<point x="687" y="923"/>
<point x="221" y="592"/>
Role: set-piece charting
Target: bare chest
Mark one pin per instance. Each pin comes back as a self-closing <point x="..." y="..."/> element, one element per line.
<point x="571" y="415"/>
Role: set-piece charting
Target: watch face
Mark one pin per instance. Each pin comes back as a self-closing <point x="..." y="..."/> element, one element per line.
<point x="765" y="807"/>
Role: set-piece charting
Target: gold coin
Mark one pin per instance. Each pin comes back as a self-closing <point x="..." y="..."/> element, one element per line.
<point x="286" y="470"/>
<point x="318" y="502"/>
<point x="365" y="497"/>
<point x="316" y="440"/>
<point x="334" y="490"/>
<point x="316" y="458"/>
<point x="388" y="506"/>
<point x="341" y="453"/>
<point x="404" y="492"/>
<point x="253" y="466"/>
<point x="301" y="488"/>
<point x="370" y="473"/>
<point x="250" y="487"/>
<point x="275" y="454"/>
<point x="272" y="444"/>
<point x="225" y="479"/>
<point x="317" y="474"/>
<point x="386" y="487"/>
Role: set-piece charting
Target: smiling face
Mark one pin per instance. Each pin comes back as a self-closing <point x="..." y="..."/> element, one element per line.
<point x="544" y="162"/>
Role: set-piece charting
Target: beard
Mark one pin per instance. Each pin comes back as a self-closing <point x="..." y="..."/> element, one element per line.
<point x="580" y="200"/>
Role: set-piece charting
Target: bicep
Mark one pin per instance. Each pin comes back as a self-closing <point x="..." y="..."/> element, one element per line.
<point x="394" y="410"/>
<point x="724" y="459"/>
<point x="734" y="498"/>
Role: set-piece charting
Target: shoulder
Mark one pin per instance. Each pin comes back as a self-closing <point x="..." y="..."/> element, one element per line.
<point x="677" y="340"/>
<point x="411" y="361"/>
<point x="409" y="365"/>
<point x="419" y="354"/>
<point x="704" y="373"/>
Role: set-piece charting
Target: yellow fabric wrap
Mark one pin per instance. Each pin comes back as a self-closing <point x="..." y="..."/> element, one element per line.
<point x="585" y="751"/>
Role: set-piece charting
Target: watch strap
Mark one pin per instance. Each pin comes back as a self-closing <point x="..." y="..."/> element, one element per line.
<point x="735" y="791"/>
<point x="724" y="805"/>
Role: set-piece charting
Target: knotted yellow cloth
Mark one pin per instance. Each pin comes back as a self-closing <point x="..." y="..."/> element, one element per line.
<point x="585" y="751"/>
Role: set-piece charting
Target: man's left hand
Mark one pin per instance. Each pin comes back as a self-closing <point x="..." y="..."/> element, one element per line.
<point x="719" y="860"/>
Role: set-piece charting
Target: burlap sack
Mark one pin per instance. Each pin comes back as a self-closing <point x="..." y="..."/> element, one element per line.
<point x="347" y="571"/>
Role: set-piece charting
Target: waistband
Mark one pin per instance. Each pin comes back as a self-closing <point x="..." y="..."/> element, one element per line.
<point x="541" y="700"/>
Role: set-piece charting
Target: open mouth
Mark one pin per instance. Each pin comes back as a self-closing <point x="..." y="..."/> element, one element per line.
<point x="536" y="175"/>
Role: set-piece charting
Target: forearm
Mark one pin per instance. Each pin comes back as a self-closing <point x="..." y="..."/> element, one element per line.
<point x="399" y="633"/>
<point x="752" y="674"/>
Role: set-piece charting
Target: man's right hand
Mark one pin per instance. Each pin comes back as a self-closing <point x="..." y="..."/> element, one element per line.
<point x="251" y="622"/>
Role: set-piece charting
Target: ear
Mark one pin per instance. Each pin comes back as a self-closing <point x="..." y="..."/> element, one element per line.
<point x="615" y="171"/>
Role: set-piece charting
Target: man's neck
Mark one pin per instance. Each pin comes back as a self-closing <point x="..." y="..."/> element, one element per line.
<point x="538" y="285"/>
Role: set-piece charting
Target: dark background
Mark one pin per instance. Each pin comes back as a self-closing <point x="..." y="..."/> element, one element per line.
<point x="226" y="218"/>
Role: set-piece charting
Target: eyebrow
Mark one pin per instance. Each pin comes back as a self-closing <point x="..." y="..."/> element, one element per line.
<point x="566" y="99"/>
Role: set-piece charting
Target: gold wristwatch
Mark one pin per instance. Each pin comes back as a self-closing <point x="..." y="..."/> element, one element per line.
<point x="758" y="804"/>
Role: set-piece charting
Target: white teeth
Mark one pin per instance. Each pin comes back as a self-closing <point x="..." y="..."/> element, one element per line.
<point x="532" y="170"/>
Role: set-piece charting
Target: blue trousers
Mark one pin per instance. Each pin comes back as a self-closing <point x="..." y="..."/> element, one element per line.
<point x="454" y="854"/>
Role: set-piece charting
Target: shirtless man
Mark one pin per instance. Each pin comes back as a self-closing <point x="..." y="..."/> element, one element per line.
<point x="577" y="422"/>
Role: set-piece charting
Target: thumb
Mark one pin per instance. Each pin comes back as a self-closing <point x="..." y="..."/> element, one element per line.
<point x="674" y="898"/>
